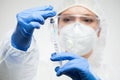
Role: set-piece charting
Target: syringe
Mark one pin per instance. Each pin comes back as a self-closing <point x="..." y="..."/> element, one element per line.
<point x="55" y="38"/>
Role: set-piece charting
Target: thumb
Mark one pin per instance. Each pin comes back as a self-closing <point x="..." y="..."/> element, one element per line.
<point x="34" y="25"/>
<point x="29" y="28"/>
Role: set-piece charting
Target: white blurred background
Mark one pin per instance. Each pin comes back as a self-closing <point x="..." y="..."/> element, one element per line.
<point x="111" y="8"/>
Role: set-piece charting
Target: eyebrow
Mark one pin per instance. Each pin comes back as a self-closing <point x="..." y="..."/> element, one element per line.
<point x="90" y="15"/>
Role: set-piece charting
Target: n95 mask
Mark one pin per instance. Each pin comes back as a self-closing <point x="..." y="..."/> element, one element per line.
<point x="77" y="38"/>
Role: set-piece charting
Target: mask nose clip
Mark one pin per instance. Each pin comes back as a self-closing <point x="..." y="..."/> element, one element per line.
<point x="77" y="27"/>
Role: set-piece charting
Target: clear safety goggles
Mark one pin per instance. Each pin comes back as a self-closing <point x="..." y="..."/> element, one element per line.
<point x="89" y="20"/>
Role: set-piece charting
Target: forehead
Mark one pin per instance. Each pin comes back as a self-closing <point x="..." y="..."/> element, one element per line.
<point x="78" y="10"/>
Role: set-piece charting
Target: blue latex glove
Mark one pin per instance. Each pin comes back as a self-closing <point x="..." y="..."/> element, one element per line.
<point x="77" y="67"/>
<point x="27" y="21"/>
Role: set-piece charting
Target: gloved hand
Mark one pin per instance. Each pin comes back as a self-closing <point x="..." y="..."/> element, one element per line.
<point x="77" y="67"/>
<point x="27" y="21"/>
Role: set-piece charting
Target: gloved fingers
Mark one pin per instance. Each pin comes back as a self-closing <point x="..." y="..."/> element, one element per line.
<point x="48" y="13"/>
<point x="68" y="67"/>
<point x="75" y="65"/>
<point x="57" y="71"/>
<point x="63" y="56"/>
<point x="80" y="64"/>
<point x="30" y="27"/>
<point x="38" y="16"/>
<point x="35" y="25"/>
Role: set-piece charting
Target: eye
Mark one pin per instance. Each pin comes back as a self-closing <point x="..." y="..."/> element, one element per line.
<point x="87" y="20"/>
<point x="67" y="19"/>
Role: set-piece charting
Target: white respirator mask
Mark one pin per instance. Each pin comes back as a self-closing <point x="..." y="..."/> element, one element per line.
<point x="77" y="38"/>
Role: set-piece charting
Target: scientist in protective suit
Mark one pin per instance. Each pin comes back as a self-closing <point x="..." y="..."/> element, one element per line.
<point x="80" y="35"/>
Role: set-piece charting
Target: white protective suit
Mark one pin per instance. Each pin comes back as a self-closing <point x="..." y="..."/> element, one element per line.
<point x="35" y="64"/>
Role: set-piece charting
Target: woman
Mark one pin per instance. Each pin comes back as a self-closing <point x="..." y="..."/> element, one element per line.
<point x="79" y="25"/>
